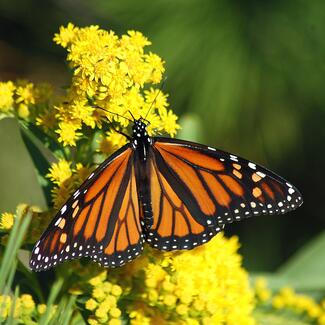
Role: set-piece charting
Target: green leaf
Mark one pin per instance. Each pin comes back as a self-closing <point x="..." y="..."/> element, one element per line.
<point x="272" y="317"/>
<point x="50" y="145"/>
<point x="46" y="317"/>
<point x="16" y="237"/>
<point x="306" y="269"/>
<point x="41" y="164"/>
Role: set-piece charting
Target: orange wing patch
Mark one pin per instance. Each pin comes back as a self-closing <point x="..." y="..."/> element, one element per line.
<point x="192" y="181"/>
<point x="192" y="156"/>
<point x="174" y="227"/>
<point x="127" y="231"/>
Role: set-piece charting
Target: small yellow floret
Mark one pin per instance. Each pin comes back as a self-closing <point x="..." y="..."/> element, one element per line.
<point x="6" y="221"/>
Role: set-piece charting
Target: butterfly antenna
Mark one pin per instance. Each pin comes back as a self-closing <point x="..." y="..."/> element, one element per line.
<point x="131" y="115"/>
<point x="105" y="110"/>
<point x="161" y="87"/>
<point x="111" y="122"/>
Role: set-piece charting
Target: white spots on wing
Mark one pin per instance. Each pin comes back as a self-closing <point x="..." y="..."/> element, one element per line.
<point x="57" y="221"/>
<point x="46" y="259"/>
<point x="234" y="158"/>
<point x="280" y="204"/>
<point x="253" y="205"/>
<point x="269" y="206"/>
<point x="76" y="194"/>
<point x="289" y="185"/>
<point x="209" y="222"/>
<point x="260" y="174"/>
<point x="64" y="208"/>
<point x="36" y="250"/>
<point x="289" y="198"/>
<point x="251" y="165"/>
<point x="67" y="249"/>
<point x="213" y="149"/>
<point x="291" y="190"/>
<point x="221" y="159"/>
<point x="91" y="175"/>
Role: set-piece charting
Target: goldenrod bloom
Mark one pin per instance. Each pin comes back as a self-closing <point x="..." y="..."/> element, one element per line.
<point x="6" y="221"/>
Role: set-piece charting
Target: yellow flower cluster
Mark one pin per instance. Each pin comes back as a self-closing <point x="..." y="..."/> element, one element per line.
<point x="6" y="221"/>
<point x="24" y="309"/>
<point x="66" y="179"/>
<point x="288" y="299"/>
<point x="21" y="98"/>
<point x="103" y="301"/>
<point x="110" y="72"/>
<point x="204" y="286"/>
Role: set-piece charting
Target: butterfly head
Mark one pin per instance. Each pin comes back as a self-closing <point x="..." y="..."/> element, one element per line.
<point x="139" y="132"/>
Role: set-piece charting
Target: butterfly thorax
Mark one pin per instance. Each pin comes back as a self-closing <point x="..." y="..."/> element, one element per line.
<point x="140" y="139"/>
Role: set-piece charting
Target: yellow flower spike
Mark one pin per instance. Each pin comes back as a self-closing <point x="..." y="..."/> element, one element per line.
<point x="46" y="120"/>
<point x="182" y="309"/>
<point x="6" y="96"/>
<point x="110" y="301"/>
<point x="116" y="290"/>
<point x="321" y="319"/>
<point x="60" y="172"/>
<point x="66" y="35"/>
<point x="99" y="294"/>
<point x="6" y="221"/>
<point x="5" y="303"/>
<point x="27" y="302"/>
<point x="91" y="304"/>
<point x="41" y="308"/>
<point x="115" y="312"/>
<point x="61" y="194"/>
<point x="278" y="302"/>
<point x="152" y="295"/>
<point x="116" y="140"/>
<point x="68" y="133"/>
<point x="169" y="300"/>
<point x="23" y="111"/>
<point x="101" y="314"/>
<point x="26" y="94"/>
<point x="199" y="304"/>
<point x="92" y="321"/>
<point x="137" y="317"/>
<point x="114" y="321"/>
<point x="98" y="279"/>
<point x="168" y="286"/>
<point x="107" y="287"/>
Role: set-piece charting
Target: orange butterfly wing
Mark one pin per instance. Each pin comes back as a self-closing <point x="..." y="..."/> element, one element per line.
<point x="101" y="220"/>
<point x="196" y="190"/>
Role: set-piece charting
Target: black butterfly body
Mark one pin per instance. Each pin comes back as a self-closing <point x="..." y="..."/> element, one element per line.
<point x="170" y="193"/>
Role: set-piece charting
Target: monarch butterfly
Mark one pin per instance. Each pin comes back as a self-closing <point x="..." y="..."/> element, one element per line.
<point x="170" y="193"/>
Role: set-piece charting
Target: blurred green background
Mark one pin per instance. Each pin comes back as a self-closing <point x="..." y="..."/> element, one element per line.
<point x="245" y="76"/>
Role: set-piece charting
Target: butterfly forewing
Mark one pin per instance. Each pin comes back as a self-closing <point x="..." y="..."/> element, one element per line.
<point x="101" y="220"/>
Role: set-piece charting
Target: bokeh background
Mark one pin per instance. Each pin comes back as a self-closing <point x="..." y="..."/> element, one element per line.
<point x="244" y="76"/>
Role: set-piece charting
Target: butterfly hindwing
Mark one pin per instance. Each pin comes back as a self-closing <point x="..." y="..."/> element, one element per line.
<point x="175" y="222"/>
<point x="213" y="187"/>
<point x="101" y="219"/>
